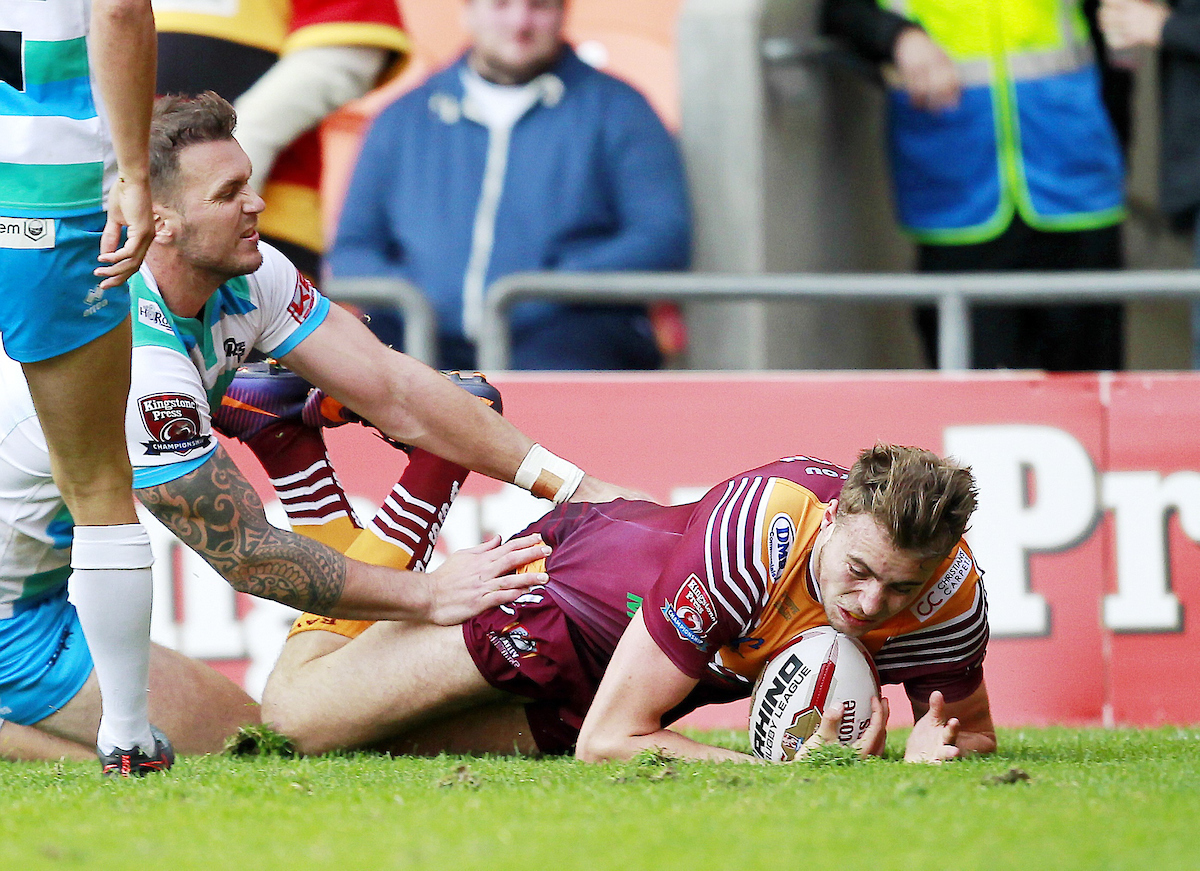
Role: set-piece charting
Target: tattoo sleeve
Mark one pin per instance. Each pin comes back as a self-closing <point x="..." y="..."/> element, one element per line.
<point x="215" y="512"/>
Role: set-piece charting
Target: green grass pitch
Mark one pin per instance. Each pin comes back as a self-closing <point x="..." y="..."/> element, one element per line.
<point x="1050" y="799"/>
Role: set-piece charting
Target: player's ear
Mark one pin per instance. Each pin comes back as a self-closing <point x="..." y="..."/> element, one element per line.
<point x="166" y="222"/>
<point x="830" y="513"/>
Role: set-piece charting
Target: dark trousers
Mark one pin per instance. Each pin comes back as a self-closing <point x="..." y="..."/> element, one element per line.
<point x="1056" y="337"/>
<point x="575" y="337"/>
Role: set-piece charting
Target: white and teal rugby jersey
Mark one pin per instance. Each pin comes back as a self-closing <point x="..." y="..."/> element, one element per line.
<point x="35" y="526"/>
<point x="181" y="366"/>
<point x="56" y="158"/>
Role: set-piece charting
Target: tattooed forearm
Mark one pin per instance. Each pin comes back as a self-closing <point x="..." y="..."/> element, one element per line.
<point x="215" y="512"/>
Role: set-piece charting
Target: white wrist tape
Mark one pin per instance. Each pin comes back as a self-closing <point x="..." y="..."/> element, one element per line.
<point x="548" y="476"/>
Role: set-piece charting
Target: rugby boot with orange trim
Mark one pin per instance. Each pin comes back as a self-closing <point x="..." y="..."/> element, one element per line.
<point x="264" y="394"/>
<point x="135" y="763"/>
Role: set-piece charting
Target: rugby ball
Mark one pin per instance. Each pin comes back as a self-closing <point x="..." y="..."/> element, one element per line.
<point x="820" y="667"/>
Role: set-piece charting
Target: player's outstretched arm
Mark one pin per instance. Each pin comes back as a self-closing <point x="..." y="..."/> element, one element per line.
<point x="640" y="685"/>
<point x="406" y="399"/>
<point x="215" y="512"/>
<point x="950" y="730"/>
<point x="416" y="405"/>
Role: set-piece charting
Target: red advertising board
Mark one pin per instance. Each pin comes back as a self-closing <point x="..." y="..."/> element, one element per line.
<point x="1087" y="528"/>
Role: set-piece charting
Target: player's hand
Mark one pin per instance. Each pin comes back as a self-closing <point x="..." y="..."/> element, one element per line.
<point x="481" y="577"/>
<point x="827" y="731"/>
<point x="129" y="206"/>
<point x="872" y="741"/>
<point x="594" y="490"/>
<point x="934" y="738"/>
<point x="926" y="72"/>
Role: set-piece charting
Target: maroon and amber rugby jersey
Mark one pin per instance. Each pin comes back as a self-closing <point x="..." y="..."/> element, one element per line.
<point x="726" y="582"/>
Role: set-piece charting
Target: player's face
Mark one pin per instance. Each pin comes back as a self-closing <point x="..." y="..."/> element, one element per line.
<point x="216" y="210"/>
<point x="863" y="577"/>
<point x="514" y="40"/>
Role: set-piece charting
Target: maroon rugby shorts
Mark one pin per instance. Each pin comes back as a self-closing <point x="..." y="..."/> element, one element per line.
<point x="529" y="648"/>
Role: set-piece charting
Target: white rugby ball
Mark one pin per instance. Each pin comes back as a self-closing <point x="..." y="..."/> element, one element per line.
<point x="821" y="667"/>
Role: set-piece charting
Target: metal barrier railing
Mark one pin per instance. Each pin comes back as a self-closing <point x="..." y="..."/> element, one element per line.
<point x="420" y="322"/>
<point x="952" y="294"/>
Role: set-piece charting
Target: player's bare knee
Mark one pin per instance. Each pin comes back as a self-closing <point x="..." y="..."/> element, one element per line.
<point x="282" y="712"/>
<point x="594" y="747"/>
<point x="297" y="723"/>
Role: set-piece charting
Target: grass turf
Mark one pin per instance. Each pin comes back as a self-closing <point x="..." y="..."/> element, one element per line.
<point x="1056" y="798"/>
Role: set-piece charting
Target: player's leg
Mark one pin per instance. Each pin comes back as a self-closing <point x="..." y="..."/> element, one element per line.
<point x="404" y="530"/>
<point x="500" y="729"/>
<point x="49" y="685"/>
<point x="279" y="417"/>
<point x="326" y="695"/>
<point x="321" y="692"/>
<point x="267" y="408"/>
<point x="508" y="680"/>
<point x="402" y="534"/>
<point x="80" y="399"/>
<point x="26" y="744"/>
<point x="195" y="704"/>
<point x="73" y="341"/>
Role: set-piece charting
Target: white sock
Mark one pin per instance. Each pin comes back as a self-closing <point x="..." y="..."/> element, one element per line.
<point x="111" y="588"/>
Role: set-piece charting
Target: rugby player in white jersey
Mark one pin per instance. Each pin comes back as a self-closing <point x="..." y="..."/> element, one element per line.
<point x="49" y="695"/>
<point x="76" y="85"/>
<point x="207" y="297"/>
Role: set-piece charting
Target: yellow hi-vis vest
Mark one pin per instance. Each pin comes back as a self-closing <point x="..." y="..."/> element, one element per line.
<point x="1030" y="136"/>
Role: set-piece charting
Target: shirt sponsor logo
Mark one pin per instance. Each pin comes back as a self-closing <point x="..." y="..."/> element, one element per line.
<point x="692" y="613"/>
<point x="152" y="316"/>
<point x="94" y="300"/>
<point x="947" y="585"/>
<point x="173" y="422"/>
<point x="303" y="299"/>
<point x="780" y="536"/>
<point x="26" y="233"/>
<point x="234" y="349"/>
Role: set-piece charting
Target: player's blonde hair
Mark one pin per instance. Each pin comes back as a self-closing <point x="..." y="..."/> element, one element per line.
<point x="923" y="501"/>
<point x="179" y="121"/>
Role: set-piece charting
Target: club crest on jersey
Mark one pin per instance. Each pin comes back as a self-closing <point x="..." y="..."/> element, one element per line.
<point x="173" y="422"/>
<point x="514" y="643"/>
<point x="303" y="299"/>
<point x="780" y="537"/>
<point x="692" y="613"/>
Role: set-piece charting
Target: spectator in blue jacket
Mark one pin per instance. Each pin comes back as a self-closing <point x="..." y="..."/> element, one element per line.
<point x="519" y="156"/>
